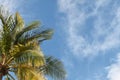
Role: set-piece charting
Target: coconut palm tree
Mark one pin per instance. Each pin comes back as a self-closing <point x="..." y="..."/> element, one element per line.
<point x="21" y="57"/>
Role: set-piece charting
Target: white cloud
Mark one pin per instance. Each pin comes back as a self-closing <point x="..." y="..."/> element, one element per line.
<point x="114" y="70"/>
<point x="100" y="34"/>
<point x="11" y="5"/>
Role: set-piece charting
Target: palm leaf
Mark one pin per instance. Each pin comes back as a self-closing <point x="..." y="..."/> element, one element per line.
<point x="28" y="73"/>
<point x="28" y="53"/>
<point x="43" y="35"/>
<point x="9" y="77"/>
<point x="19" y="21"/>
<point x="18" y="25"/>
<point x="30" y="57"/>
<point x="28" y="28"/>
<point x="53" y="68"/>
<point x="2" y="19"/>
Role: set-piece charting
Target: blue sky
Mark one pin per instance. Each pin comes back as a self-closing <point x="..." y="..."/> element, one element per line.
<point x="86" y="37"/>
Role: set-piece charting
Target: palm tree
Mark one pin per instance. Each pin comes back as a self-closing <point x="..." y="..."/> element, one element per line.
<point x="20" y="53"/>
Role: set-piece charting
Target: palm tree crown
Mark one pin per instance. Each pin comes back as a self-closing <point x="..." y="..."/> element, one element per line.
<point x="20" y="52"/>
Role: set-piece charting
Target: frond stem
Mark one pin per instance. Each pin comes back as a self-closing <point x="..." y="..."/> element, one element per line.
<point x="11" y="76"/>
<point x="9" y="60"/>
<point x="4" y="59"/>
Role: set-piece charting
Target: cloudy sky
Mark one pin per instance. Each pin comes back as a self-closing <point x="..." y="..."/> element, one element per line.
<point x="86" y="34"/>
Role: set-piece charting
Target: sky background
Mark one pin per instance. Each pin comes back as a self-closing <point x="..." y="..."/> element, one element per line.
<point x="86" y="34"/>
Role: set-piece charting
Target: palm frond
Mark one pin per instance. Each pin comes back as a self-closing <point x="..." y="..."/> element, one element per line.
<point x="2" y="19"/>
<point x="10" y="22"/>
<point x="54" y="68"/>
<point x="3" y="15"/>
<point x="17" y="49"/>
<point x="28" y="53"/>
<point x="30" y="57"/>
<point x="19" y="21"/>
<point x="6" y="30"/>
<point x="10" y="77"/>
<point x="6" y="40"/>
<point x="43" y="35"/>
<point x="28" y="28"/>
<point x="25" y="73"/>
<point x="17" y="25"/>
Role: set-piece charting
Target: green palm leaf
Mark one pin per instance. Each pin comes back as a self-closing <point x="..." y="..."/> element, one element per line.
<point x="54" y="68"/>
<point x="25" y="72"/>
<point x="43" y="35"/>
<point x="28" y="28"/>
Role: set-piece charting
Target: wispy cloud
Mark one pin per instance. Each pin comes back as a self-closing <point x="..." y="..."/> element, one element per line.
<point x="11" y="5"/>
<point x="114" y="70"/>
<point x="91" y="26"/>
